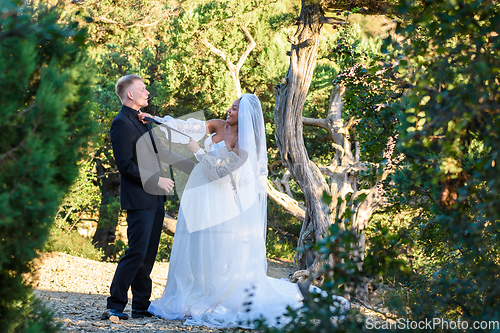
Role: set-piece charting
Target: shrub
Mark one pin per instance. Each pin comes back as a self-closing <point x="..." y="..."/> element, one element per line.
<point x="71" y="242"/>
<point x="165" y="247"/>
<point x="278" y="246"/>
<point x="46" y="88"/>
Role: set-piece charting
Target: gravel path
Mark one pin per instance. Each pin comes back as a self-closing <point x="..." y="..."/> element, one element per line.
<point x="76" y="290"/>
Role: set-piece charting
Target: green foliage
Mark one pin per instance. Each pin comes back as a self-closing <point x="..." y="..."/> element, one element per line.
<point x="372" y="95"/>
<point x="72" y="243"/>
<point x="118" y="252"/>
<point x="441" y="250"/>
<point x="282" y="233"/>
<point x="318" y="314"/>
<point x="195" y="79"/>
<point x="391" y="250"/>
<point x="35" y="317"/>
<point x="450" y="137"/>
<point x="109" y="212"/>
<point x="165" y="247"/>
<point x="46" y="83"/>
<point x="82" y="198"/>
<point x="183" y="75"/>
<point x="278" y="246"/>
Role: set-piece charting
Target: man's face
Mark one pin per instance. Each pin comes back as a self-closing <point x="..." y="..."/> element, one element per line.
<point x="139" y="94"/>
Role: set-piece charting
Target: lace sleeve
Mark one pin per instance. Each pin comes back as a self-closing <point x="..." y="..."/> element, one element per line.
<point x="193" y="128"/>
<point x="200" y="154"/>
<point x="218" y="169"/>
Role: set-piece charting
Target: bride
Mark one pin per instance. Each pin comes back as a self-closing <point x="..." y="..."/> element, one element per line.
<point x="217" y="275"/>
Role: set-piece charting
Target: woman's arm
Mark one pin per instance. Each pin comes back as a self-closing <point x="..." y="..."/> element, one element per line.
<point x="215" y="125"/>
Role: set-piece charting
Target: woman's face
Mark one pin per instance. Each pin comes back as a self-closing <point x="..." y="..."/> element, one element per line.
<point x="232" y="113"/>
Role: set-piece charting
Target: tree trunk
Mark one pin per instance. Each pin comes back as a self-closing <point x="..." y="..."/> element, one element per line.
<point x="109" y="184"/>
<point x="290" y="99"/>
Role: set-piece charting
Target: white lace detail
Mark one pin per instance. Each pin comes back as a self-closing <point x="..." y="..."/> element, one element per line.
<point x="193" y="128"/>
<point x="218" y="162"/>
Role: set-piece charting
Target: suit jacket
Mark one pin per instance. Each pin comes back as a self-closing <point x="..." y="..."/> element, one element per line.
<point x="139" y="162"/>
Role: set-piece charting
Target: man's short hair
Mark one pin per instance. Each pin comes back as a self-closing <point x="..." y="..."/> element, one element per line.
<point x="124" y="83"/>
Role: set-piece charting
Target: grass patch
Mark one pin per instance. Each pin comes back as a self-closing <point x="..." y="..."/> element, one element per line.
<point x="72" y="243"/>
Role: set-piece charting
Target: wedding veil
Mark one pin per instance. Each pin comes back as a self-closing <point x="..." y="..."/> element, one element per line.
<point x="252" y="136"/>
<point x="252" y="140"/>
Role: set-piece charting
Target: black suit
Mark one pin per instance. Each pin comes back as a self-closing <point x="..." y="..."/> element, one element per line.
<point x="137" y="158"/>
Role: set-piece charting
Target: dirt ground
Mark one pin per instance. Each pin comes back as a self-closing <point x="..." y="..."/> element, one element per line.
<point x="76" y="290"/>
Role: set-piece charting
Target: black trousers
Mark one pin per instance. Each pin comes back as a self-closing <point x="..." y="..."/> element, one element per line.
<point x="133" y="270"/>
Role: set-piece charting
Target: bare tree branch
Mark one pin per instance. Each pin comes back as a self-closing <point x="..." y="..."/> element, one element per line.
<point x="250" y="46"/>
<point x="145" y="25"/>
<point x="315" y="122"/>
<point x="12" y="150"/>
<point x="234" y="70"/>
<point x="285" y="182"/>
<point x="291" y="205"/>
<point x="103" y="18"/>
<point x="169" y="225"/>
<point x="335" y="108"/>
<point x="330" y="20"/>
<point x="218" y="52"/>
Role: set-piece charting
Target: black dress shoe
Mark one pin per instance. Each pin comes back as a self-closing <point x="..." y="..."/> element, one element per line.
<point x="141" y="313"/>
<point x="114" y="312"/>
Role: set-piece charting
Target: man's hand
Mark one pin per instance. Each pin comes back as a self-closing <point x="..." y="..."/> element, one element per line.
<point x="193" y="145"/>
<point x="166" y="184"/>
<point x="142" y="115"/>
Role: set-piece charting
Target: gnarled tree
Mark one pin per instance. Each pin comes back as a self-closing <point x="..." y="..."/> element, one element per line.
<point x="290" y="98"/>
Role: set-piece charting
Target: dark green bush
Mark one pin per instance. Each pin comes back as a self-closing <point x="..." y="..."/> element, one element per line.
<point x="46" y="88"/>
<point x="450" y="137"/>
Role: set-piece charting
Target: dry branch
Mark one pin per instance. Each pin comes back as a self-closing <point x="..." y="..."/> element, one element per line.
<point x="126" y="25"/>
<point x="169" y="225"/>
<point x="234" y="70"/>
<point x="291" y="205"/>
<point x="322" y="123"/>
<point x="330" y="20"/>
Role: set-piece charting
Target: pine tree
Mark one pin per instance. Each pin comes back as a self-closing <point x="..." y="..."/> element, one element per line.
<point x="46" y="92"/>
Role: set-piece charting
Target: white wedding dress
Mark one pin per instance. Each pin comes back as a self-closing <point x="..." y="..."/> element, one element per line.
<point x="217" y="274"/>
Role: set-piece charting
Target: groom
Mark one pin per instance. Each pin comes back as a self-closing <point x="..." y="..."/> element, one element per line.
<point x="142" y="194"/>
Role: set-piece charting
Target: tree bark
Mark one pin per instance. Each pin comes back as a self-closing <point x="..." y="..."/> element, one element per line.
<point x="108" y="180"/>
<point x="290" y="98"/>
<point x="343" y="171"/>
<point x="169" y="225"/>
